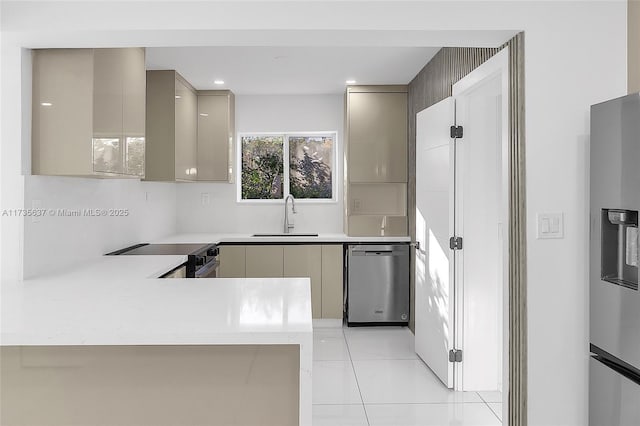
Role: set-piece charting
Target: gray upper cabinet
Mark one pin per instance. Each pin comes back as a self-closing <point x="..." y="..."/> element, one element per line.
<point x="88" y="112"/>
<point x="186" y="131"/>
<point x="376" y="161"/>
<point x="171" y="127"/>
<point x="377" y="133"/>
<point x="216" y="134"/>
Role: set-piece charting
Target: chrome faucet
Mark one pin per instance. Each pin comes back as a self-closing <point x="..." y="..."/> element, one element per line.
<point x="288" y="226"/>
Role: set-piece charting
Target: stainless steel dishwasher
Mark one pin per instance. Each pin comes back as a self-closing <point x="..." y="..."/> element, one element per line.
<point x="378" y="284"/>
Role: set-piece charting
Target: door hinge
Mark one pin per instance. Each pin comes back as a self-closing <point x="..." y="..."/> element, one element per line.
<point x="456" y="132"/>
<point x="455" y="355"/>
<point x="455" y="243"/>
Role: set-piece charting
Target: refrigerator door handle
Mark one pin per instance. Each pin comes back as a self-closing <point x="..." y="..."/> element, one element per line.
<point x="627" y="370"/>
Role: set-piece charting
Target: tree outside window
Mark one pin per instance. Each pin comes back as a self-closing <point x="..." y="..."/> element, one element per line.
<point x="262" y="167"/>
<point x="274" y="166"/>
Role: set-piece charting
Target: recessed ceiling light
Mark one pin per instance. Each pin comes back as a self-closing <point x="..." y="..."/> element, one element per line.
<point x="218" y="82"/>
<point x="351" y="82"/>
<point x="46" y="104"/>
<point x="178" y="97"/>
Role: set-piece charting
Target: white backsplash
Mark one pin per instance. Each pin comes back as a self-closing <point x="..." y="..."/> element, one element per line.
<point x="225" y="215"/>
<point x="57" y="242"/>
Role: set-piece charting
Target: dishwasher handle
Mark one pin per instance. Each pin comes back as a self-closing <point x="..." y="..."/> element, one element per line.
<point x="373" y="253"/>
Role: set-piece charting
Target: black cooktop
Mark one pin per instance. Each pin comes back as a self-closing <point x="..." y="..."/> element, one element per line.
<point x="160" y="249"/>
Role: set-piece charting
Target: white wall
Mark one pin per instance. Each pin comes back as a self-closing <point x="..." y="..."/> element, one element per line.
<point x="268" y="113"/>
<point x="575" y="56"/>
<point x="55" y="242"/>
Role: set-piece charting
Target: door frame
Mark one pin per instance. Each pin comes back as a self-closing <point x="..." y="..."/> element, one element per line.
<point x="434" y="84"/>
<point x="496" y="66"/>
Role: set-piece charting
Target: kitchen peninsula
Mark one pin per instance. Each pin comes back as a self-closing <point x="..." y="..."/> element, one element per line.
<point x="116" y="343"/>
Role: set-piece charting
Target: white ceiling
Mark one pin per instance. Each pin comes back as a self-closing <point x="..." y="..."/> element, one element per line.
<point x="290" y="70"/>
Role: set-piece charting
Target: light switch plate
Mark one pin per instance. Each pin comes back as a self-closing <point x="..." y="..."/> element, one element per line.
<point x="550" y="225"/>
<point x="205" y="198"/>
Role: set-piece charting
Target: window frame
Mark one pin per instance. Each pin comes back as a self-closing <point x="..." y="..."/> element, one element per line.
<point x="286" y="168"/>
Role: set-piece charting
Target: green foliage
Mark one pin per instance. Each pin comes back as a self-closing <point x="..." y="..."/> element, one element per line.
<point x="262" y="167"/>
<point x="312" y="180"/>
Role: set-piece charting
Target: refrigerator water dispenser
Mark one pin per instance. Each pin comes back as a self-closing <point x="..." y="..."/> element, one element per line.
<point x="620" y="247"/>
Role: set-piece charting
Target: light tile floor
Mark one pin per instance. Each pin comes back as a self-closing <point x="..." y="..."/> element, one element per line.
<point x="371" y="376"/>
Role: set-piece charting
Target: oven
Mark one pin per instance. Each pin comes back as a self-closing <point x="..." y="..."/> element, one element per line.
<point x="202" y="259"/>
<point x="207" y="264"/>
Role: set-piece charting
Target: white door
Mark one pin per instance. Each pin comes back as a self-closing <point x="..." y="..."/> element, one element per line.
<point x="434" y="291"/>
<point x="461" y="190"/>
<point x="480" y="219"/>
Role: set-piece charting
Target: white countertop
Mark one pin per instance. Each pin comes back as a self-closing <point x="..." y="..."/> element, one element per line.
<point x="216" y="238"/>
<point x="118" y="300"/>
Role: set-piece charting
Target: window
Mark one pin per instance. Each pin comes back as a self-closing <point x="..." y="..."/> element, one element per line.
<point x="276" y="165"/>
<point x="262" y="167"/>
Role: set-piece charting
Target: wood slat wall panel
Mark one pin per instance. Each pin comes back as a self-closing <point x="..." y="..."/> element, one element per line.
<point x="517" y="238"/>
<point x="433" y="84"/>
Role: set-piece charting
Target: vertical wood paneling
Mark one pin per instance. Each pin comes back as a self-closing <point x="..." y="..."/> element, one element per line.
<point x="434" y="83"/>
<point x="517" y="414"/>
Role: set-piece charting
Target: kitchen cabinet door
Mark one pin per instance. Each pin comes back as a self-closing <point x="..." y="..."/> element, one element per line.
<point x="232" y="262"/>
<point x="186" y="110"/>
<point x="83" y="103"/>
<point x="332" y="281"/>
<point x="107" y="93"/>
<point x="265" y="261"/>
<point x="133" y="108"/>
<point x="107" y="111"/>
<point x="62" y="112"/>
<point x="376" y="160"/>
<point x="377" y="127"/>
<point x="306" y="261"/>
<point x="216" y="134"/>
<point x="160" y="126"/>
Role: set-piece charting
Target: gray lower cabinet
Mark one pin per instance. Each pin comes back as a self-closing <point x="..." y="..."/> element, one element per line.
<point x="232" y="262"/>
<point x="265" y="261"/>
<point x="322" y="263"/>
<point x="306" y="261"/>
<point x="332" y="281"/>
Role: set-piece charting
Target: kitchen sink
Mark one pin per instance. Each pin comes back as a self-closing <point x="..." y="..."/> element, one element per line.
<point x="282" y="234"/>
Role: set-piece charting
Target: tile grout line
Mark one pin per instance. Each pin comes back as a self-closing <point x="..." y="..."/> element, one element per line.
<point x="364" y="408"/>
<point x="489" y="407"/>
<point x="344" y="333"/>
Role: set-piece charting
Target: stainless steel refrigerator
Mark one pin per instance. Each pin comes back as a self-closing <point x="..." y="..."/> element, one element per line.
<point x="614" y="366"/>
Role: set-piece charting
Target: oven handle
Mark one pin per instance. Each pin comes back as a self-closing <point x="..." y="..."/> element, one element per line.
<point x="209" y="270"/>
